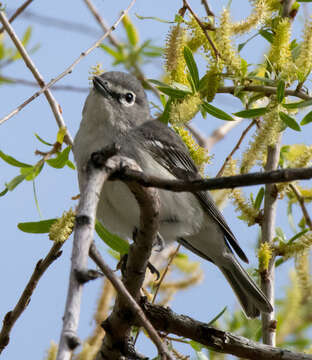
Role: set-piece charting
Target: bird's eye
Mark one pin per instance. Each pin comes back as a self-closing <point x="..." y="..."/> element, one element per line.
<point x="129" y="98"/>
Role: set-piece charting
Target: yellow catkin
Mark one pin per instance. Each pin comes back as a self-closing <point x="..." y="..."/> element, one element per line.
<point x="212" y="82"/>
<point x="259" y="15"/>
<point x="264" y="256"/>
<point x="280" y="53"/>
<point x="173" y="53"/>
<point x="223" y="42"/>
<point x="302" y="265"/>
<point x="52" y="351"/>
<point x="63" y="227"/>
<point x="298" y="156"/>
<point x="304" y="60"/>
<point x="95" y="71"/>
<point x="198" y="154"/>
<point x="265" y="136"/>
<point x="244" y="206"/>
<point x="296" y="247"/>
<point x="182" y="111"/>
<point x="198" y="37"/>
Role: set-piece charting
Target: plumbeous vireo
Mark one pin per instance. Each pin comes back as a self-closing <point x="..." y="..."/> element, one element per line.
<point x="117" y="111"/>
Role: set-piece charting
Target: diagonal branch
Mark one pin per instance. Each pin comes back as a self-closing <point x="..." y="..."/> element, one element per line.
<point x="17" y="12"/>
<point x="30" y="64"/>
<point x="11" y="317"/>
<point x="164" y="319"/>
<point x="70" y="68"/>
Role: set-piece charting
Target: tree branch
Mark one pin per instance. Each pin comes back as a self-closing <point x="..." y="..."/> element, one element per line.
<point x="268" y="90"/>
<point x="30" y="64"/>
<point x="127" y="298"/>
<point x="70" y="68"/>
<point x="229" y="182"/>
<point x="17" y="13"/>
<point x="92" y="183"/>
<point x="164" y="319"/>
<point x="11" y="317"/>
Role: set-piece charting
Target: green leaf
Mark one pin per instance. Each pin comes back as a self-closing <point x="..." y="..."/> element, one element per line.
<point x="289" y="121"/>
<point x="153" y="18"/>
<point x="37" y="227"/>
<point x="298" y="235"/>
<point x="280" y="91"/>
<point x="298" y="105"/>
<point x="259" y="198"/>
<point x="191" y="65"/>
<point x="217" y="316"/>
<point x="175" y="93"/>
<point x="15" y="181"/>
<point x="196" y="345"/>
<point x="307" y="119"/>
<point x="113" y="241"/>
<point x="10" y="160"/>
<point x="267" y="35"/>
<point x="165" y="115"/>
<point x="218" y="113"/>
<point x="61" y="159"/>
<point x="131" y="32"/>
<point x="33" y="172"/>
<point x="4" y="192"/>
<point x="248" y="114"/>
<point x="43" y="141"/>
<point x="117" y="55"/>
<point x="70" y="165"/>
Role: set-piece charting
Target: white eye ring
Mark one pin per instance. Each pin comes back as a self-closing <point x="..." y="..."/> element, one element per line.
<point x="128" y="99"/>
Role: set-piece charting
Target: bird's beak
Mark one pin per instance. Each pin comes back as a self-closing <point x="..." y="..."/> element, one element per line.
<point x="100" y="86"/>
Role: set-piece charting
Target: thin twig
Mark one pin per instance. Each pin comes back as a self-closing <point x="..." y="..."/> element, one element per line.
<point x="187" y="6"/>
<point x="228" y="182"/>
<point x="70" y="68"/>
<point x="17" y="12"/>
<point x="102" y="23"/>
<point x="236" y="147"/>
<point x="207" y="8"/>
<point x="124" y="293"/>
<point x="30" y="64"/>
<point x="302" y="205"/>
<point x="11" y="317"/>
<point x="25" y="82"/>
<point x="268" y="90"/>
<point x="219" y="133"/>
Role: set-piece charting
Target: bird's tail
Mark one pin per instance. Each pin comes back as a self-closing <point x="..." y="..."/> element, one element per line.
<point x="251" y="298"/>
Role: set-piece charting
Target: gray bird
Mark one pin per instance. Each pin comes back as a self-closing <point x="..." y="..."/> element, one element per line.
<point x="117" y="111"/>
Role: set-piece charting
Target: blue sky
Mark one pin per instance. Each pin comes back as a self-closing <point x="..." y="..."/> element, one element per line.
<point x="59" y="47"/>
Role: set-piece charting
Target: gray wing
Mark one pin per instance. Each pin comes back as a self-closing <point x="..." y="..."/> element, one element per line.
<point x="169" y="150"/>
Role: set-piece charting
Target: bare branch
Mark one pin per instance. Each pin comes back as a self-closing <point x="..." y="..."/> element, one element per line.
<point x="127" y="298"/>
<point x="11" y="317"/>
<point x="221" y="132"/>
<point x="187" y="6"/>
<point x="30" y="64"/>
<point x="102" y="23"/>
<point x="71" y="67"/>
<point x="164" y="319"/>
<point x="302" y="205"/>
<point x="93" y="180"/>
<point x="228" y="182"/>
<point x="207" y="8"/>
<point x="267" y="90"/>
<point x="267" y="236"/>
<point x="17" y="12"/>
<point x="25" y="82"/>
<point x="236" y="147"/>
